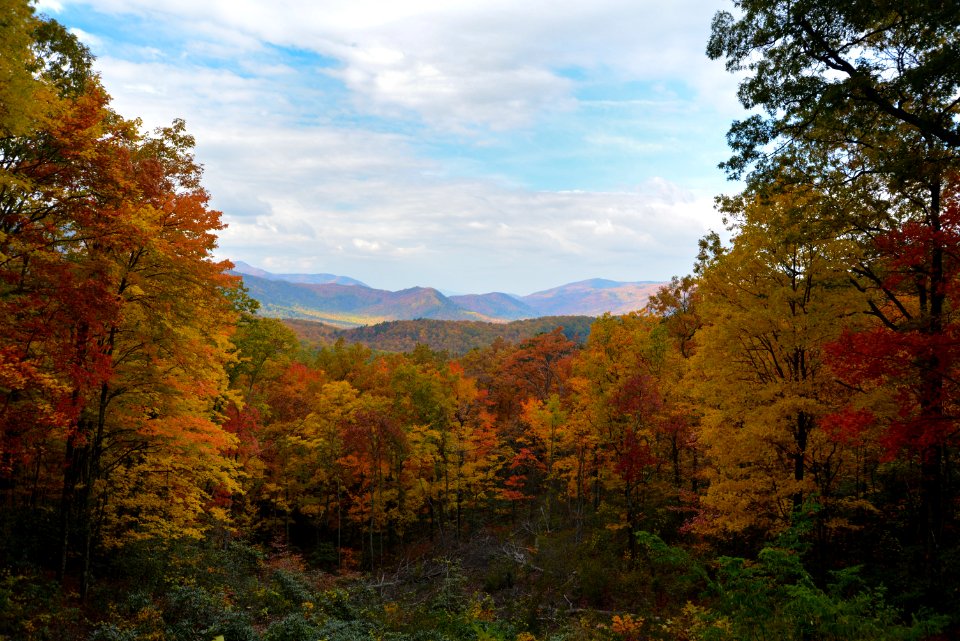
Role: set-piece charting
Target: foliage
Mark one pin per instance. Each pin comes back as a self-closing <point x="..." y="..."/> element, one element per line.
<point x="856" y="103"/>
<point x="454" y="337"/>
<point x="841" y="76"/>
<point x="774" y="597"/>
<point x="640" y="478"/>
<point x="293" y="627"/>
<point x="32" y="607"/>
<point x="772" y="304"/>
<point x="113" y="321"/>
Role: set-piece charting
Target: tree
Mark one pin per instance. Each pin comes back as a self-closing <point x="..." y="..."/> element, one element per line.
<point x="311" y="467"/>
<point x="65" y="161"/>
<point x="152" y="405"/>
<point x="373" y="443"/>
<point x="676" y="304"/>
<point x="772" y="302"/>
<point x="114" y="325"/>
<point x="20" y="107"/>
<point x="546" y="423"/>
<point x="540" y="365"/>
<point x="536" y="368"/>
<point x="835" y="77"/>
<point x="285" y="400"/>
<point x="259" y="342"/>
<point x="906" y="364"/>
<point x="62" y="155"/>
<point x="620" y="412"/>
<point x="477" y="450"/>
<point x="533" y="371"/>
<point x="860" y="101"/>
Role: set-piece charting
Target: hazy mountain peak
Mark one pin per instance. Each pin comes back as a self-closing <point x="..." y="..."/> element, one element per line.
<point x="348" y="302"/>
<point x="309" y="279"/>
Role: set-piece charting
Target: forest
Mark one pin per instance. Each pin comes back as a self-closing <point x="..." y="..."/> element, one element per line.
<point x="767" y="451"/>
<point x="456" y="338"/>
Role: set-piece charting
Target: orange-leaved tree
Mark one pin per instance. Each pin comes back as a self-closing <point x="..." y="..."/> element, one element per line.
<point x="113" y="323"/>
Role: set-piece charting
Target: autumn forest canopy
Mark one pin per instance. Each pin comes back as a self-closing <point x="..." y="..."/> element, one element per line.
<point x="768" y="450"/>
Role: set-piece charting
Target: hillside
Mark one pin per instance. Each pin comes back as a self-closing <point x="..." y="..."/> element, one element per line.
<point x="592" y="297"/>
<point x="773" y="458"/>
<point x="496" y="305"/>
<point x="351" y="305"/>
<point x="453" y="337"/>
<point x="345" y="302"/>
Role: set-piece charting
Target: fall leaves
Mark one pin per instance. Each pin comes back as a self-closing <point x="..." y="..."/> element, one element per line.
<point x="809" y="366"/>
<point x="372" y="448"/>
<point x="114" y="330"/>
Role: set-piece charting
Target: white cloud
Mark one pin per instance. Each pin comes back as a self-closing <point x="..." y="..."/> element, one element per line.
<point x="482" y="224"/>
<point x="86" y="38"/>
<point x="49" y="6"/>
<point x="304" y="189"/>
<point x="456" y="97"/>
<point x="461" y="64"/>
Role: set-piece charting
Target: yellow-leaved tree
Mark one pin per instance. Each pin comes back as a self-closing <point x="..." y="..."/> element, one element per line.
<point x="769" y="304"/>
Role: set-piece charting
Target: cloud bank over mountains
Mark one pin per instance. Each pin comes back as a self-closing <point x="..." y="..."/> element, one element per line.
<point x="471" y="145"/>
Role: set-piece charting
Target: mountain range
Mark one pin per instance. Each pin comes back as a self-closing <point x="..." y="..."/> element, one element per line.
<point x="346" y="302"/>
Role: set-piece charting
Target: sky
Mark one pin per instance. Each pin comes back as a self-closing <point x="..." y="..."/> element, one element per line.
<point x="468" y="145"/>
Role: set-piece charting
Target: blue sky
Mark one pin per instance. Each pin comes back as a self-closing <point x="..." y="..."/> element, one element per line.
<point x="471" y="146"/>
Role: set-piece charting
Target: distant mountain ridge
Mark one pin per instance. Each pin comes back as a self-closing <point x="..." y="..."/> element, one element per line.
<point x="312" y="279"/>
<point x="496" y="305"/>
<point x="346" y="302"/>
<point x="592" y="297"/>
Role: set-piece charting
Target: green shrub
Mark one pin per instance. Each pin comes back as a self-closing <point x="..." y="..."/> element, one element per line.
<point x="342" y="604"/>
<point x="336" y="630"/>
<point x="190" y="613"/>
<point x="292" y="587"/>
<point x="775" y="597"/>
<point x="233" y="626"/>
<point x="32" y="607"/>
<point x="110" y="632"/>
<point x="294" y="627"/>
